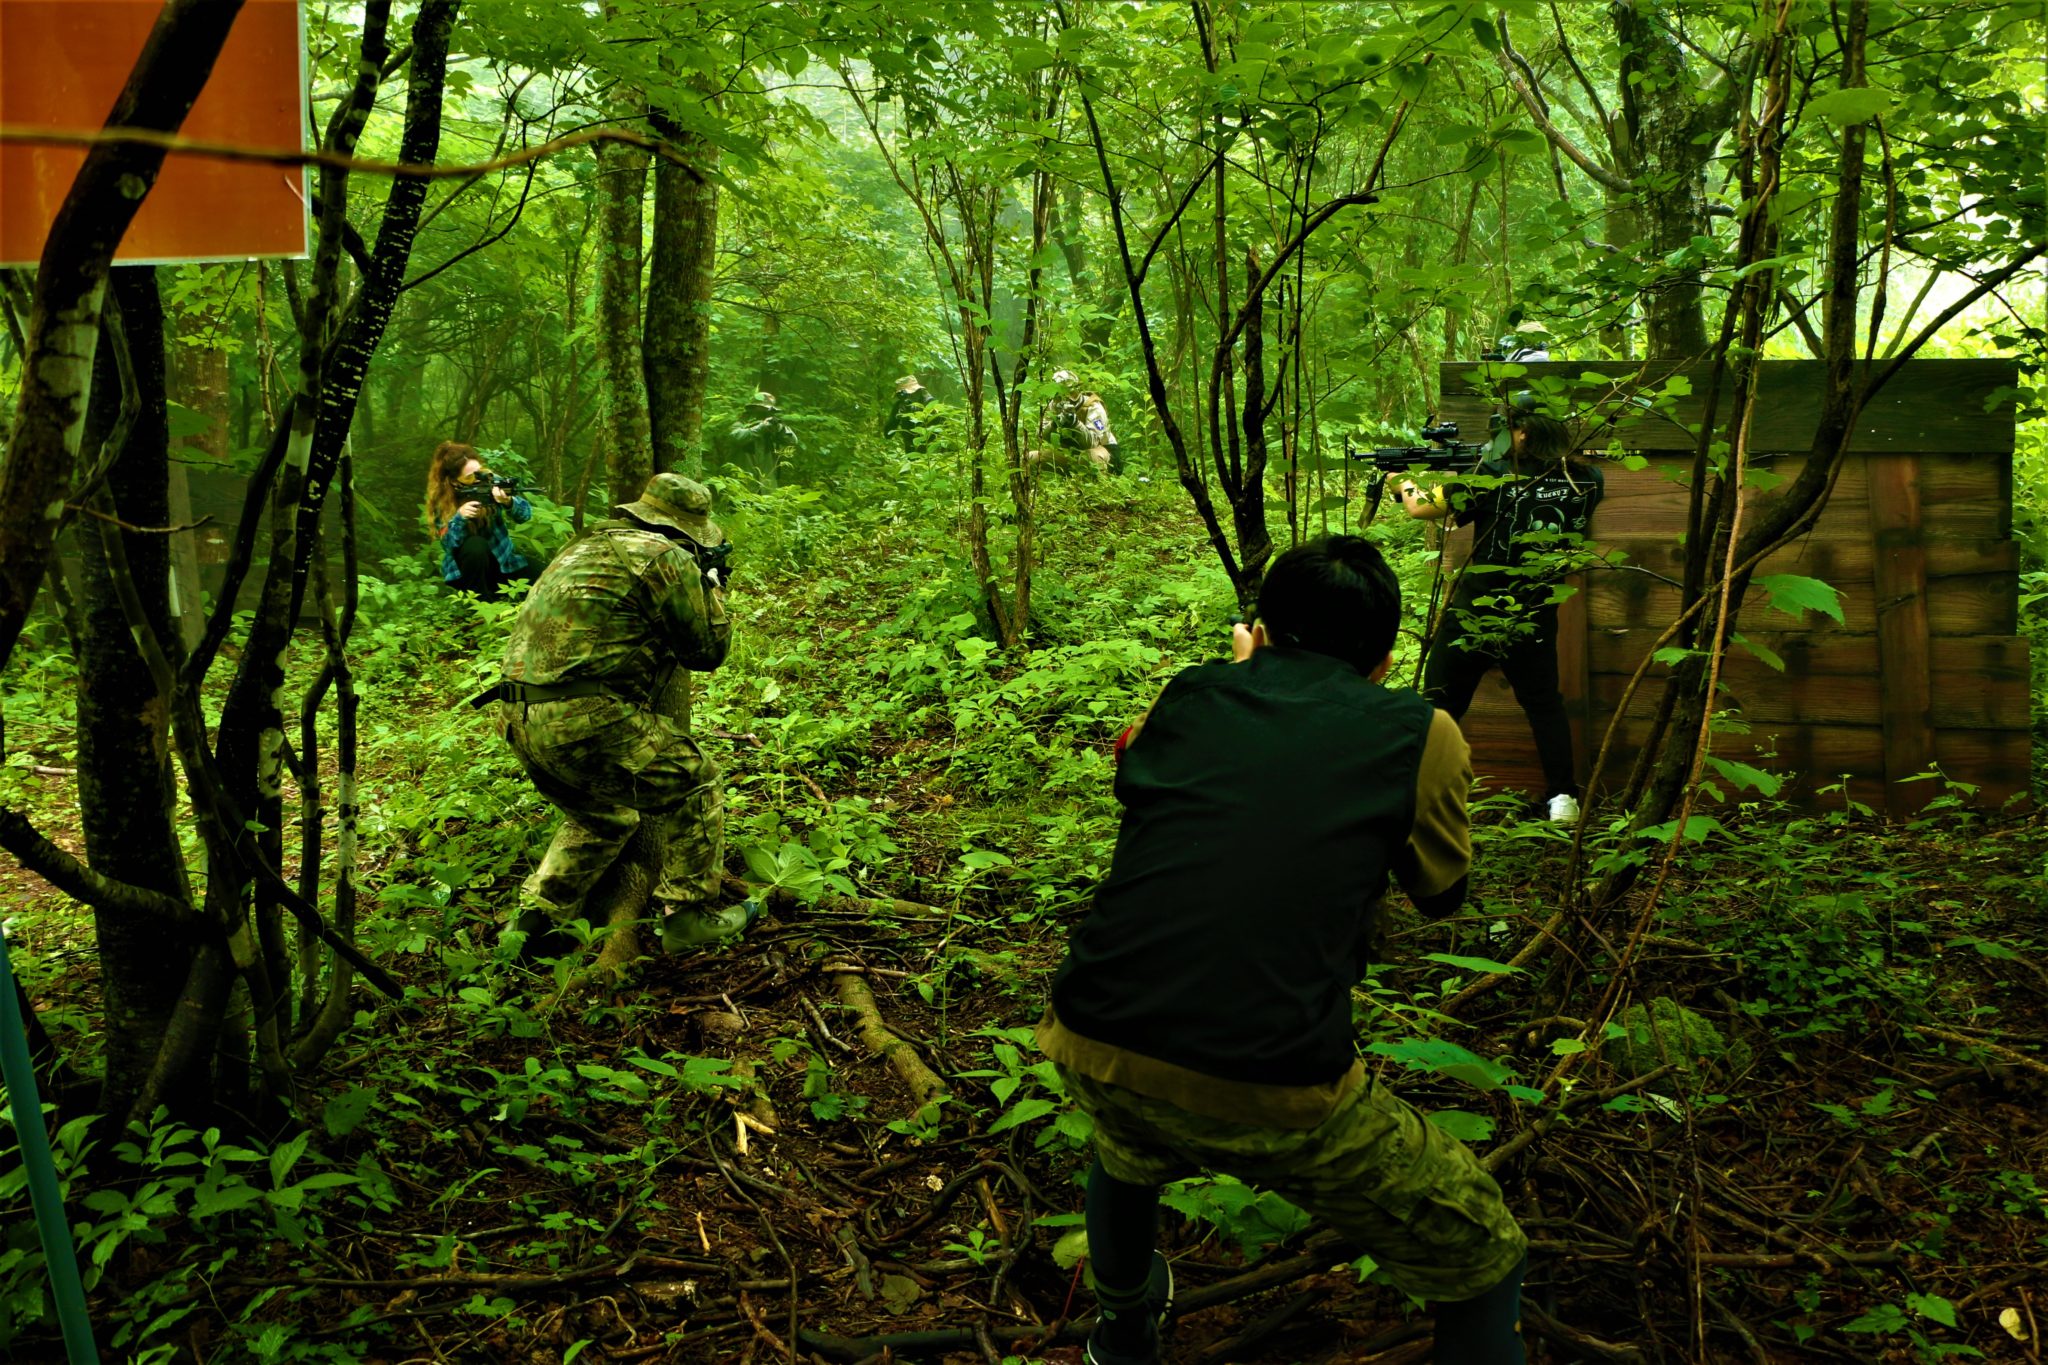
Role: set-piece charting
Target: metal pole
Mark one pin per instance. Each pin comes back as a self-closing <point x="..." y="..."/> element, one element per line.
<point x="43" y="1192"/>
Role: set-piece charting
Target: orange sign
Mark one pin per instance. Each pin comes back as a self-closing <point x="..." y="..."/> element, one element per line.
<point x="63" y="63"/>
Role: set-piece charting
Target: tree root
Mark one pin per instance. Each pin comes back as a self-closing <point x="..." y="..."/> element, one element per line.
<point x="1546" y="1326"/>
<point x="925" y="1085"/>
<point x="1236" y="1347"/>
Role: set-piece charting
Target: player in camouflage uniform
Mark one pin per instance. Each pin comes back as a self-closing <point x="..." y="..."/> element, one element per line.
<point x="1202" y="1018"/>
<point x="597" y="643"/>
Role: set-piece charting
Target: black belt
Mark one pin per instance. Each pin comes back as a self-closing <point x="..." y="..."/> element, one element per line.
<point x="529" y="693"/>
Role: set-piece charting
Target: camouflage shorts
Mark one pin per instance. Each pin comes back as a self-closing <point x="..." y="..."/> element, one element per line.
<point x="1406" y="1192"/>
<point x="612" y="768"/>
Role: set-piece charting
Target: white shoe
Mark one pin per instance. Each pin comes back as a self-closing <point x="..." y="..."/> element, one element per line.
<point x="1564" y="809"/>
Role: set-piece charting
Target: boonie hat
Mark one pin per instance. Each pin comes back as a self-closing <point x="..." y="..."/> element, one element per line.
<point x="907" y="383"/>
<point x="673" y="502"/>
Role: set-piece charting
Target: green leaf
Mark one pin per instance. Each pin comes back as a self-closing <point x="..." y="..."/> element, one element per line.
<point x="1746" y="777"/>
<point x="1446" y="1059"/>
<point x="285" y="1156"/>
<point x="1472" y="964"/>
<point x="208" y="1202"/>
<point x="1885" y="1318"/>
<point x="1566" y="1047"/>
<point x="1858" y="104"/>
<point x="341" y="1115"/>
<point x="1463" y="1126"/>
<point x="1770" y="658"/>
<point x="1933" y="1307"/>
<point x="899" y="1292"/>
<point x="1070" y="1249"/>
<point x="1022" y="1112"/>
<point x="1997" y="951"/>
<point x="1795" y="595"/>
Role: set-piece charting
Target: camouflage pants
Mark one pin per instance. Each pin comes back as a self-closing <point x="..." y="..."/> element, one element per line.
<point x="1377" y="1171"/>
<point x="611" y="768"/>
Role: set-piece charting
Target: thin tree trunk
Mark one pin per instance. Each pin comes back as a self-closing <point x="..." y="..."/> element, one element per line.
<point x="677" y="350"/>
<point x="125" y="793"/>
<point x="621" y="187"/>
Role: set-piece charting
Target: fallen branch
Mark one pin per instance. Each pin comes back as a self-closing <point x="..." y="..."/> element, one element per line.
<point x="1489" y="981"/>
<point x="1499" y="1156"/>
<point x="1238" y="1346"/>
<point x="782" y="900"/>
<point x="2010" y="1054"/>
<point x="942" y="1200"/>
<point x="422" y="1283"/>
<point x="925" y="1085"/>
<point x="1546" y="1326"/>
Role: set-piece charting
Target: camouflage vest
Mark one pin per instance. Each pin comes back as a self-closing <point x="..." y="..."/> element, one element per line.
<point x="605" y="610"/>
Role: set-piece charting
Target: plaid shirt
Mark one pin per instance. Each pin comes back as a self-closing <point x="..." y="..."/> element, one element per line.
<point x="509" y="559"/>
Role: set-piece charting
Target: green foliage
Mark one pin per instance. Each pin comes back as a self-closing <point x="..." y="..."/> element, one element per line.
<point x="208" y="1200"/>
<point x="1253" y="1219"/>
<point x="1664" y="1031"/>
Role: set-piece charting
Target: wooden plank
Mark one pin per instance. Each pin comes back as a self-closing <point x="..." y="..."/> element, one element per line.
<point x="1957" y="604"/>
<point x="1960" y="498"/>
<point x="1998" y="762"/>
<point x="1962" y="407"/>
<point x="1574" y="670"/>
<point x="1809" y="758"/>
<point x="1977" y="682"/>
<point x="1835" y="559"/>
<point x="1899" y="581"/>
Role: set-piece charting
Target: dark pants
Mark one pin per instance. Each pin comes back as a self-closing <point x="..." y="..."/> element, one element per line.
<point x="479" y="571"/>
<point x="1529" y="663"/>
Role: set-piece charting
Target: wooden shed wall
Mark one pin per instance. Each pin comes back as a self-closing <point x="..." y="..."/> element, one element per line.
<point x="1926" y="667"/>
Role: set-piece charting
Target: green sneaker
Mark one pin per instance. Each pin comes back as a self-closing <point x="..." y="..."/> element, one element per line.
<point x="687" y="928"/>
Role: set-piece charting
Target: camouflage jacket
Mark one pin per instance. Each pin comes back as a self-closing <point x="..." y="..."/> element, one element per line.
<point x="621" y="605"/>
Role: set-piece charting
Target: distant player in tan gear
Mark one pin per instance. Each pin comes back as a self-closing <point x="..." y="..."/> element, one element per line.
<point x="594" y="647"/>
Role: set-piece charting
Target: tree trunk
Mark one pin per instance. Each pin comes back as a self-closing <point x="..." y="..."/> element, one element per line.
<point x="677" y="353"/>
<point x="621" y="186"/>
<point x="197" y="375"/>
<point x="125" y="793"/>
<point x="1674" y="130"/>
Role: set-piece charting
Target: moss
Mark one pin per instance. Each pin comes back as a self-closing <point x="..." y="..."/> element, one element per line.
<point x="1666" y="1031"/>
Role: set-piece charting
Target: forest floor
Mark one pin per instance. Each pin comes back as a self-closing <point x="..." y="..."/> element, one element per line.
<point x="1839" y="1153"/>
<point x="1862" y="1169"/>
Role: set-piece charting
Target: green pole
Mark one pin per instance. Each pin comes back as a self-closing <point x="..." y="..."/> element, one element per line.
<point x="20" y="1074"/>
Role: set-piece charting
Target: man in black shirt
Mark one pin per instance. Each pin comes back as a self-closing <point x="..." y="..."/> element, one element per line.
<point x="1203" y="1015"/>
<point x="1501" y="614"/>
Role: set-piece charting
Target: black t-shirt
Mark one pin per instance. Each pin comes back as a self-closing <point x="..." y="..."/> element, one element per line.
<point x="1264" y="805"/>
<point x="1526" y="515"/>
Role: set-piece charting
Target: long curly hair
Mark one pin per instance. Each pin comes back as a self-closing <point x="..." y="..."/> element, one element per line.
<point x="442" y="472"/>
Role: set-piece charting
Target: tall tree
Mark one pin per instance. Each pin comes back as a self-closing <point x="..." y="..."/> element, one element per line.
<point x="677" y="350"/>
<point x="126" y="798"/>
<point x="621" y="195"/>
